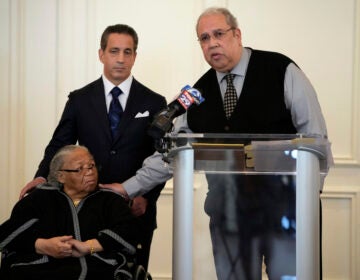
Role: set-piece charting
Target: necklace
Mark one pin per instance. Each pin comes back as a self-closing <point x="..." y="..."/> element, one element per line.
<point x="76" y="202"/>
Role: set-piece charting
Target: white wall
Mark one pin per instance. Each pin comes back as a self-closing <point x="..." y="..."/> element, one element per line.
<point x="49" y="47"/>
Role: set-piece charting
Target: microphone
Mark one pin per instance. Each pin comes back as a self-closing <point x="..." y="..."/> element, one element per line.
<point x="163" y="121"/>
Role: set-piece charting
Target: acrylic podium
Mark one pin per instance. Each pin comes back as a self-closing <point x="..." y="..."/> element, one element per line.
<point x="305" y="158"/>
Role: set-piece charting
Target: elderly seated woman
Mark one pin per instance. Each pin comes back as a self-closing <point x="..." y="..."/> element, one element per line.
<point x="68" y="228"/>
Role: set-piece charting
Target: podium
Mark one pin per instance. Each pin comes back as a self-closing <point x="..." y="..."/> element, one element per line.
<point x="305" y="157"/>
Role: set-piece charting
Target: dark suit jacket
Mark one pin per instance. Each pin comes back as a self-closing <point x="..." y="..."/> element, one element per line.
<point x="85" y="120"/>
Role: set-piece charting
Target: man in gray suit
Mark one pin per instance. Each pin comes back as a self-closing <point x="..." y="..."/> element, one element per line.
<point x="86" y="120"/>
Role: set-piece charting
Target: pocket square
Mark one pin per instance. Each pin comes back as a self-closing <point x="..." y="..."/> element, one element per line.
<point x="142" y="115"/>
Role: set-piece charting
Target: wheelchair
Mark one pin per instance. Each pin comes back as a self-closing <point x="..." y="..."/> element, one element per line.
<point x="130" y="270"/>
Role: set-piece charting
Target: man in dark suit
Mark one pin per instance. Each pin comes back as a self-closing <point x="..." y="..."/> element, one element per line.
<point x="86" y="120"/>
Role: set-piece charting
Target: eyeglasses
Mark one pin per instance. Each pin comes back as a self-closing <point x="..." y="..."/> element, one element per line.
<point x="81" y="169"/>
<point x="218" y="34"/>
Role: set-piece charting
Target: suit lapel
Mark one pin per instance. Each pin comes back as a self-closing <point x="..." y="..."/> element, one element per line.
<point x="131" y="107"/>
<point x="99" y="107"/>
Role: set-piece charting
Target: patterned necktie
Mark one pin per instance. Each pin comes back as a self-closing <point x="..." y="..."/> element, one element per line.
<point x="115" y="112"/>
<point x="230" y="98"/>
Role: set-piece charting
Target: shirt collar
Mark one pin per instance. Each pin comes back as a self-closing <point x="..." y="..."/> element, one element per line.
<point x="124" y="86"/>
<point x="240" y="68"/>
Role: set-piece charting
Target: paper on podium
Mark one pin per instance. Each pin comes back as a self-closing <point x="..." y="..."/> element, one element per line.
<point x="219" y="157"/>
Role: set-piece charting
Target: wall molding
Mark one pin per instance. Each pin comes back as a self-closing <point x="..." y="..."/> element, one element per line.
<point x="353" y="160"/>
<point x="352" y="195"/>
<point x="161" y="277"/>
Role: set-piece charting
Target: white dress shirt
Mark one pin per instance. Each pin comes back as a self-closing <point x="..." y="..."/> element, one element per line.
<point x="125" y="88"/>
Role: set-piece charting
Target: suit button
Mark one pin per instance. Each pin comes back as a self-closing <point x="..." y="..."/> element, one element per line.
<point x="112" y="152"/>
<point x="226" y="128"/>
